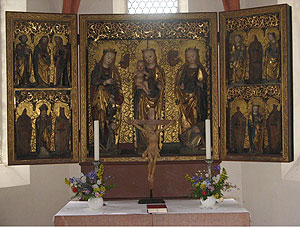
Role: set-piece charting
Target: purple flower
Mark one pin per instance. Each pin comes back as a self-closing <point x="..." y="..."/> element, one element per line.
<point x="218" y="167"/>
<point x="92" y="175"/>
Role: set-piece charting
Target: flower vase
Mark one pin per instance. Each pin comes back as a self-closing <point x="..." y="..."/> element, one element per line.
<point x="95" y="203"/>
<point x="209" y="202"/>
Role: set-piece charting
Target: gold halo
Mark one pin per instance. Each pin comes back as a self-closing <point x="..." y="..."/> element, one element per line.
<point x="272" y="30"/>
<point x="103" y="45"/>
<point x="22" y="106"/>
<point x="29" y="43"/>
<point x="271" y="102"/>
<point x="142" y="46"/>
<point x="259" y="34"/>
<point x="257" y="101"/>
<point x="63" y="37"/>
<point x="238" y="103"/>
<point x="38" y="37"/>
<point x="199" y="44"/>
<point x="237" y="32"/>
<point x="57" y="106"/>
<point x="40" y="103"/>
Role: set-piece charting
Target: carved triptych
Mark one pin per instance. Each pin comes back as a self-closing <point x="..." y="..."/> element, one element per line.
<point x="149" y="67"/>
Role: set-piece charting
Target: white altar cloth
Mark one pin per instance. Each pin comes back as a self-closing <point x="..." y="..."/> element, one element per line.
<point x="79" y="208"/>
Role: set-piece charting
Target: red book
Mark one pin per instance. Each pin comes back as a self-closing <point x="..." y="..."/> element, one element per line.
<point x="157" y="208"/>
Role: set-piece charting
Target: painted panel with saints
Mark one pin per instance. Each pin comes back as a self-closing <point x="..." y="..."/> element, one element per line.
<point x="42" y="88"/>
<point x="149" y="68"/>
<point x="256" y="84"/>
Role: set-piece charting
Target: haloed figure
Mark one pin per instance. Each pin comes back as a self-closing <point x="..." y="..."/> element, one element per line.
<point x="272" y="58"/>
<point x="43" y="126"/>
<point x="191" y="90"/>
<point x="62" y="133"/>
<point x="61" y="62"/>
<point x="23" y="62"/>
<point x="41" y="62"/>
<point x="238" y="60"/>
<point x="255" y="130"/>
<point x="106" y="91"/>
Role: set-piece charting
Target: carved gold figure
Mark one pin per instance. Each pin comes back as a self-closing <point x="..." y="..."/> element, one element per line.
<point x="272" y="58"/>
<point x="256" y="130"/>
<point x="149" y="105"/>
<point x="190" y="90"/>
<point x="238" y="60"/>
<point x="42" y="61"/>
<point x="106" y="93"/>
<point x="23" y="62"/>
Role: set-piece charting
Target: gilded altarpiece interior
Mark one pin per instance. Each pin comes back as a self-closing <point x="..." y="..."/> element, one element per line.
<point x="42" y="88"/>
<point x="256" y="84"/>
<point x="161" y="67"/>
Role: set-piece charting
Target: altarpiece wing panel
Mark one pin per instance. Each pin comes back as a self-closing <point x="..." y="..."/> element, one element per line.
<point x="42" y="88"/>
<point x="161" y="67"/>
<point x="256" y="84"/>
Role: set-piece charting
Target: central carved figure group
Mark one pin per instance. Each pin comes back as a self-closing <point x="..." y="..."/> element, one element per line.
<point x="149" y="86"/>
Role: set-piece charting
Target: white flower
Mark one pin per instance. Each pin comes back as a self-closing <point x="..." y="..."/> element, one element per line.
<point x="95" y="186"/>
<point x="99" y="182"/>
<point x="216" y="178"/>
<point x="83" y="179"/>
<point x="204" y="182"/>
<point x="81" y="174"/>
<point x="206" y="175"/>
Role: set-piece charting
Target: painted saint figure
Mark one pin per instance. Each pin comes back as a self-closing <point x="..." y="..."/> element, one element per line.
<point x="41" y="62"/>
<point x="63" y="135"/>
<point x="272" y="58"/>
<point x="61" y="62"/>
<point x="23" y="135"/>
<point x="105" y="91"/>
<point x="191" y="91"/>
<point x="255" y="130"/>
<point x="43" y="133"/>
<point x="274" y="131"/>
<point x="238" y="60"/>
<point x="255" y="52"/>
<point x="238" y="128"/>
<point x="23" y="62"/>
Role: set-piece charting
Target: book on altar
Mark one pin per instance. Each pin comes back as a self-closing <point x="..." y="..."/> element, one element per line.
<point x="157" y="208"/>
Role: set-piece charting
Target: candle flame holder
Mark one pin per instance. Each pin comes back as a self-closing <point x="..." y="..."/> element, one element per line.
<point x="97" y="164"/>
<point x="208" y="163"/>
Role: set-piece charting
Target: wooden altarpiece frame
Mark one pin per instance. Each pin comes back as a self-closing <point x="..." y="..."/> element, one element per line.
<point x="42" y="93"/>
<point x="168" y="39"/>
<point x="47" y="43"/>
<point x="256" y="84"/>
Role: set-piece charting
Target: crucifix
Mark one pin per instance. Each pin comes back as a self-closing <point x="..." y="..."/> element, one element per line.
<point x="148" y="128"/>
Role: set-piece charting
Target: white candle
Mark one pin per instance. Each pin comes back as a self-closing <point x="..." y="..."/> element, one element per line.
<point x="207" y="139"/>
<point x="96" y="140"/>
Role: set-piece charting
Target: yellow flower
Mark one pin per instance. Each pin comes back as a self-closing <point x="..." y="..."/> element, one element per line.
<point x="217" y="195"/>
<point x="96" y="189"/>
<point x="100" y="172"/>
<point x="102" y="188"/>
<point x="202" y="186"/>
<point x="67" y="182"/>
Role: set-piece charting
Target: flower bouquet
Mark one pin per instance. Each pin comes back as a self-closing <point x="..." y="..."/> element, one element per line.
<point x="205" y="187"/>
<point x="90" y="185"/>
